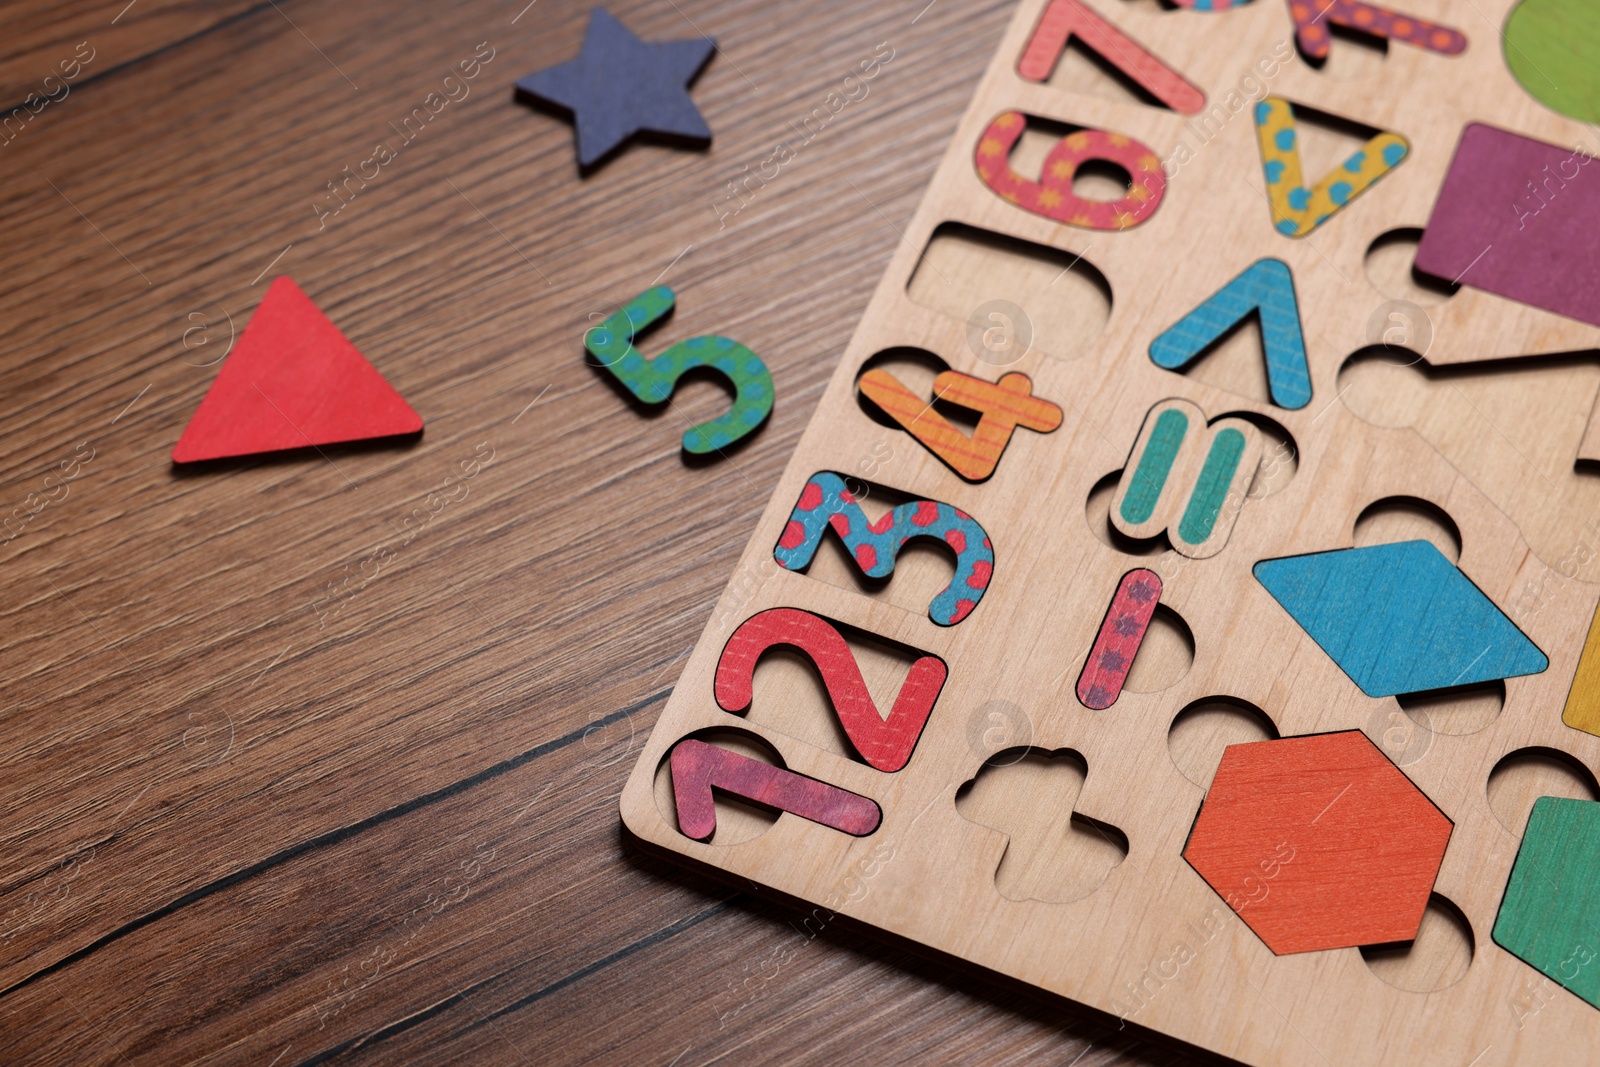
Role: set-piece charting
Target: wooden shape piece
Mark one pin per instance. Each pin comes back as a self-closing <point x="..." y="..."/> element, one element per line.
<point x="1121" y="633"/>
<point x="1399" y="618"/>
<point x="1004" y="405"/>
<point x="885" y="743"/>
<point x="1313" y="17"/>
<point x="1296" y="208"/>
<point x="826" y="502"/>
<point x="1549" y="917"/>
<point x="1187" y="479"/>
<point x="698" y="768"/>
<point x="1266" y="289"/>
<point x="653" y="380"/>
<point x="292" y="381"/>
<point x="1052" y="195"/>
<point x="1484" y="232"/>
<point x="1318" y="842"/>
<point x="1553" y="50"/>
<point x="619" y="86"/>
<point x="1582" y="711"/>
<point x="1066" y="19"/>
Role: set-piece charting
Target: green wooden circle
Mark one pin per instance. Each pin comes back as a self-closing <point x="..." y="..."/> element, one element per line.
<point x="1553" y="50"/>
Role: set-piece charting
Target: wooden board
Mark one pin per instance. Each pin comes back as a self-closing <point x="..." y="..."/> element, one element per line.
<point x="1471" y="436"/>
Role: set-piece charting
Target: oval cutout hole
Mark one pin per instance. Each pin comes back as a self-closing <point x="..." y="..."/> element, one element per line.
<point x="1097" y="510"/>
<point x="1201" y="731"/>
<point x="1437" y="959"/>
<point x="1391" y="269"/>
<point x="1408" y="518"/>
<point x="1055" y="855"/>
<point x="916" y="368"/>
<point x="1455" y="712"/>
<point x="1530" y="773"/>
<point x="738" y="820"/>
<point x="1165" y="656"/>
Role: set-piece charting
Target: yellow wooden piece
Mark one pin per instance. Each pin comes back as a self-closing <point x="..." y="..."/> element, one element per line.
<point x="1583" y="699"/>
<point x="1296" y="208"/>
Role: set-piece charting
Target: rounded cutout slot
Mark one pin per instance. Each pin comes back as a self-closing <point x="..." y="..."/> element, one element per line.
<point x="1390" y="266"/>
<point x="1407" y="518"/>
<point x="1530" y="773"/>
<point x="1280" y="456"/>
<point x="1055" y="855"/>
<point x="1200" y="732"/>
<point x="1456" y="712"/>
<point x="738" y="820"/>
<point x="1015" y="296"/>
<point x="1436" y="959"/>
<point x="1097" y="510"/>
<point x="1165" y="655"/>
<point x="1385" y="386"/>
<point x="916" y="368"/>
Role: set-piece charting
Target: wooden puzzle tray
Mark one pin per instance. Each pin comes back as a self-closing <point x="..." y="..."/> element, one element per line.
<point x="1152" y="442"/>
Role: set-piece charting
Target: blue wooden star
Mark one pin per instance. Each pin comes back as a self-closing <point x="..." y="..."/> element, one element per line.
<point x="619" y="86"/>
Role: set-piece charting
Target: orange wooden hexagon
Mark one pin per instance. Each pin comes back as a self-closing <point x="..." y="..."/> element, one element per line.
<point x="1319" y="842"/>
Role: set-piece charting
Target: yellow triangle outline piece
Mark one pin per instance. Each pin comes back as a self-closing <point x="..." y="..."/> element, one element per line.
<point x="1297" y="209"/>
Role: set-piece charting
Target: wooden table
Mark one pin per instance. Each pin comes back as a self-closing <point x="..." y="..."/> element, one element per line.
<point x="269" y="801"/>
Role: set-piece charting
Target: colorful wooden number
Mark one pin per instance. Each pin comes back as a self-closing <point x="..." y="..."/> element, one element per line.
<point x="886" y="744"/>
<point x="1052" y="196"/>
<point x="1296" y="208"/>
<point x="698" y="768"/>
<point x="1187" y="479"/>
<point x="1313" y="17"/>
<point x="825" y="501"/>
<point x="653" y="380"/>
<point x="1003" y="405"/>
<point x="1121" y="633"/>
<point x="1065" y="19"/>
<point x="1265" y="288"/>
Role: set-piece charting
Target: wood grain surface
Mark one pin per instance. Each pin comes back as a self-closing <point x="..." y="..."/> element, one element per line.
<point x="269" y="802"/>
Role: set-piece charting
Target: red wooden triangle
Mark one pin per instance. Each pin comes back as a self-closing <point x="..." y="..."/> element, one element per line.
<point x="292" y="381"/>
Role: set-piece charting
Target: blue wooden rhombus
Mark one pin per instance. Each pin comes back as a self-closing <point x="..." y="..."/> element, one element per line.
<point x="1399" y="618"/>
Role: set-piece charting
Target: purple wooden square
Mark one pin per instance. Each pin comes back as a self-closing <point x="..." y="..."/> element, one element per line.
<point x="1521" y="219"/>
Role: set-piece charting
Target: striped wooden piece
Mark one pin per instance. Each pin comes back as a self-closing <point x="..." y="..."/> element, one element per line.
<point x="1004" y="405"/>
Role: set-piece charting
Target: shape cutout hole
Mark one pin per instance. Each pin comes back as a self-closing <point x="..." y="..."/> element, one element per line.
<point x="1200" y="732"/>
<point x="1458" y="711"/>
<point x="1436" y="959"/>
<point x="1054" y="854"/>
<point x="916" y="368"/>
<point x="1390" y="266"/>
<point x="1035" y="297"/>
<point x="738" y="820"/>
<point x="1530" y="773"/>
<point x="1165" y="656"/>
<point x="1097" y="511"/>
<point x="1408" y="518"/>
